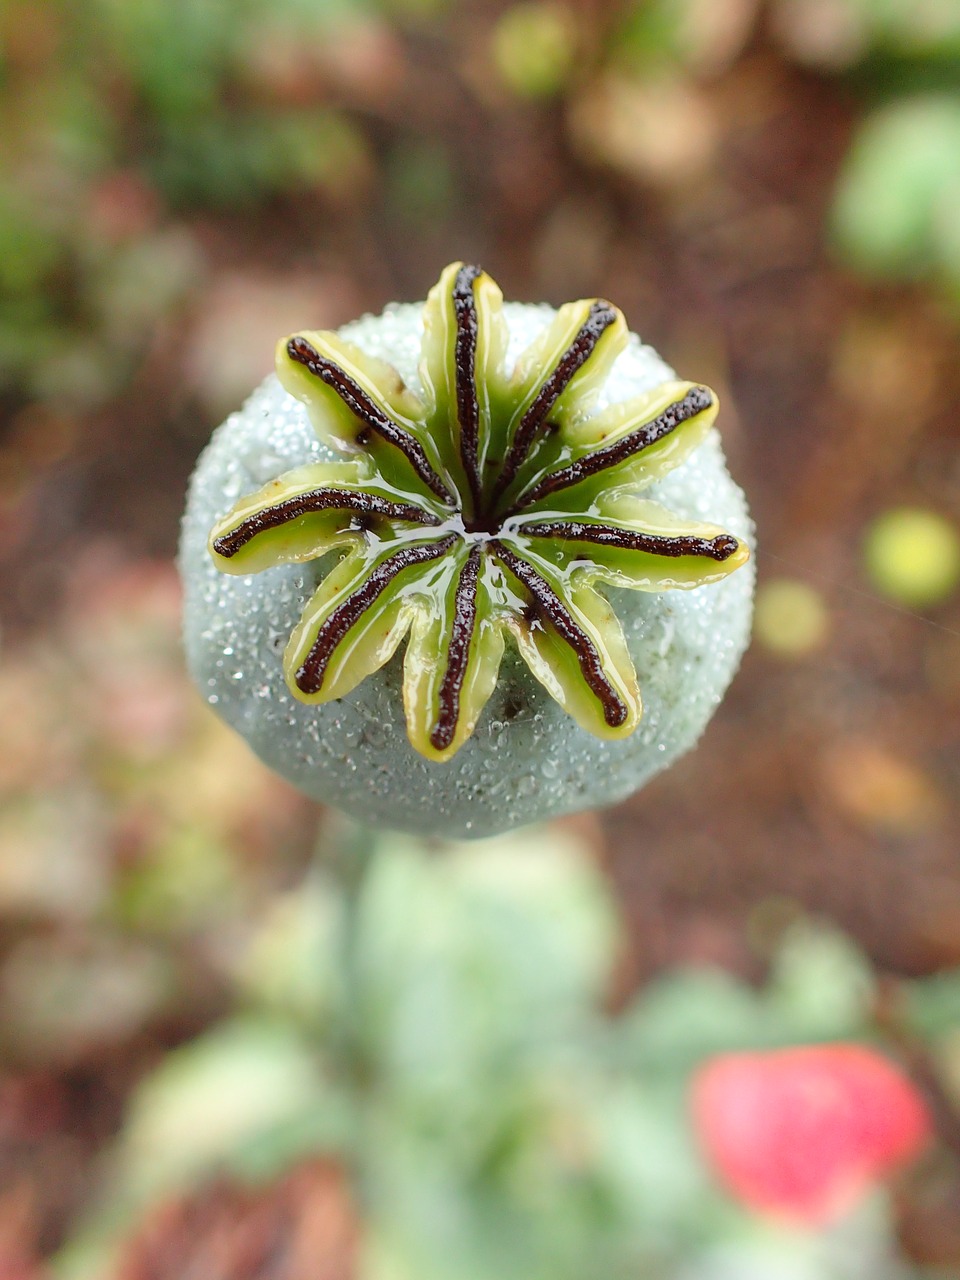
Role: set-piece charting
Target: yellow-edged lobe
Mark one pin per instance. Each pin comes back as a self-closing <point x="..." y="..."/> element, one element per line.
<point x="437" y="348"/>
<point x="423" y="672"/>
<point x="295" y="542"/>
<point x="540" y="358"/>
<point x="438" y="372"/>
<point x="332" y="420"/>
<point x="493" y="338"/>
<point x="367" y="646"/>
<point x="651" y="464"/>
<point x="663" y="573"/>
<point x="553" y="663"/>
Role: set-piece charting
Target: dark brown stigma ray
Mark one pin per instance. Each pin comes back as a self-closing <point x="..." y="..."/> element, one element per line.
<point x="458" y="652"/>
<point x="465" y="363"/>
<point x="601" y="316"/>
<point x="369" y="413"/>
<point x="615" y="710"/>
<point x="718" y="548"/>
<point x="345" y="616"/>
<point x="695" y="401"/>
<point x="365" y="504"/>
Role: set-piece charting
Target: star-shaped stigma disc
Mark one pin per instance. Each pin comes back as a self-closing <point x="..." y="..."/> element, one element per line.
<point x="490" y="504"/>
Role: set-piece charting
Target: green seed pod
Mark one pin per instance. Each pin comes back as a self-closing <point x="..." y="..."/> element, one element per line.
<point x="430" y="567"/>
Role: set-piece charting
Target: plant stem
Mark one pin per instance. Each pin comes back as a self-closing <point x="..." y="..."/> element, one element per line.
<point x="347" y="851"/>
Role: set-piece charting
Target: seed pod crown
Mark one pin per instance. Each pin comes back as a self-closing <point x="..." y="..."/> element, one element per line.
<point x="490" y="504"/>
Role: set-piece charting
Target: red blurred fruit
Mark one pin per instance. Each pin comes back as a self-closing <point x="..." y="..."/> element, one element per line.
<point x="802" y="1133"/>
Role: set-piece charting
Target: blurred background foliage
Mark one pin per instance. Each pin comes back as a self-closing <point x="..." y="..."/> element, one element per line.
<point x="498" y="1121"/>
<point x="770" y="189"/>
<point x="122" y="116"/>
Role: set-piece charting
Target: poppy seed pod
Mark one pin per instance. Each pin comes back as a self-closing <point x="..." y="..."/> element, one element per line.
<point x="466" y="565"/>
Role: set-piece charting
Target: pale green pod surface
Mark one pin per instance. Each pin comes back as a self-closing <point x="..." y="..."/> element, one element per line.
<point x="467" y="565"/>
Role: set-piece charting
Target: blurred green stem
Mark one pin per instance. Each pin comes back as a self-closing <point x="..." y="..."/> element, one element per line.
<point x="347" y="851"/>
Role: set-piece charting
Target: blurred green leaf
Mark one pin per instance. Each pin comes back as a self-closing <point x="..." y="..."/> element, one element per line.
<point x="175" y="51"/>
<point x="226" y="1100"/>
<point x="535" y="47"/>
<point x="481" y="954"/>
<point x="862" y="1246"/>
<point x="920" y="27"/>
<point x="247" y="1098"/>
<point x="160" y="89"/>
<point x="683" y="1017"/>
<point x="904" y="161"/>
<point x="234" y="158"/>
<point x="503" y="1128"/>
<point x="541" y="1204"/>
<point x="655" y="1171"/>
<point x="189" y="879"/>
<point x="821" y="986"/>
<point x="932" y="1005"/>
<point x="291" y="963"/>
<point x="480" y="974"/>
<point x="649" y="34"/>
<point x="29" y="250"/>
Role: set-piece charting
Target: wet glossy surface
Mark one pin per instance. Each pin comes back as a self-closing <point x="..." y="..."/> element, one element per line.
<point x="526" y="757"/>
<point x="484" y="505"/>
